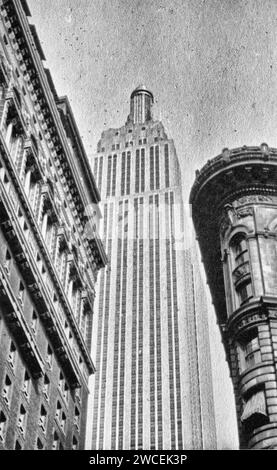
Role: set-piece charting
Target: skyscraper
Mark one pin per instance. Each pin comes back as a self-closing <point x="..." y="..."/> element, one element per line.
<point x="144" y="394"/>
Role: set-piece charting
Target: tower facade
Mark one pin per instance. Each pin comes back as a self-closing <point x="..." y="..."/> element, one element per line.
<point x="141" y="394"/>
<point x="234" y="208"/>
<point x="48" y="266"/>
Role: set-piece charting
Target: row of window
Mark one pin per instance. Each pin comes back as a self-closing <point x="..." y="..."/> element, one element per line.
<point x="43" y="200"/>
<point x="40" y="445"/>
<point x="126" y="171"/>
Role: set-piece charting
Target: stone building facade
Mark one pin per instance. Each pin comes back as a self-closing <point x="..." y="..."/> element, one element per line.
<point x="48" y="266"/>
<point x="146" y="391"/>
<point x="234" y="208"/>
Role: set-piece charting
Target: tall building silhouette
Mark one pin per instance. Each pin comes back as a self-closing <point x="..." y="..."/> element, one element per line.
<point x="146" y="392"/>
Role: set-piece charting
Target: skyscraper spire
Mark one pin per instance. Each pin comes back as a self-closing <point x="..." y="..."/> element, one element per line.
<point x="140" y="105"/>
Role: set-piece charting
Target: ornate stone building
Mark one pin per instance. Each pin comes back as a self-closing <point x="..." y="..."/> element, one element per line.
<point x="48" y="265"/>
<point x="148" y="390"/>
<point x="234" y="209"/>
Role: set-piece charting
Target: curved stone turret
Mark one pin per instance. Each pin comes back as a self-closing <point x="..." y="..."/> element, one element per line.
<point x="234" y="209"/>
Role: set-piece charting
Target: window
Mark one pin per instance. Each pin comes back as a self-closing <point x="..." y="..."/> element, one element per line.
<point x="58" y="411"/>
<point x="77" y="417"/>
<point x="42" y="418"/>
<point x="66" y="392"/>
<point x="17" y="446"/>
<point x="250" y="353"/>
<point x="46" y="387"/>
<point x="7" y="390"/>
<point x="61" y="382"/>
<point x="63" y="421"/>
<point x="21" y="422"/>
<point x="26" y="385"/>
<point x="254" y="413"/>
<point x="49" y="357"/>
<point x="3" y="426"/>
<point x="74" y="443"/>
<point x="39" y="444"/>
<point x="55" y="444"/>
<point x="12" y="355"/>
<point x="34" y="322"/>
<point x="8" y="261"/>
<point x="21" y="293"/>
<point x="78" y="394"/>
<point x="241" y="268"/>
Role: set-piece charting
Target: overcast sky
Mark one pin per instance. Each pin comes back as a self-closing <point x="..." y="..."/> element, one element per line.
<point x="211" y="65"/>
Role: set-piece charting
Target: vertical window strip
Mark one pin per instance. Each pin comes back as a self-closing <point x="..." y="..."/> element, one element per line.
<point x="109" y="171"/>
<point x="114" y="175"/>
<point x="137" y="180"/>
<point x="140" y="329"/>
<point x="100" y="175"/>
<point x="151" y="168"/>
<point x="157" y="169"/>
<point x="166" y="165"/>
<point x="133" y="442"/>
<point x="96" y="419"/>
<point x="176" y="329"/>
<point x="196" y="418"/>
<point x="123" y="173"/>
<point x="151" y="328"/>
<point x="142" y="169"/>
<point x="169" y="322"/>
<point x="128" y="172"/>
<point x="158" y="325"/>
<point x="123" y="327"/>
<point x="106" y="332"/>
<point x="116" y="331"/>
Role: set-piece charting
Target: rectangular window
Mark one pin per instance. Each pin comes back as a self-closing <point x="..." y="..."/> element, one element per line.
<point x="39" y="444"/>
<point x="249" y="349"/>
<point x="55" y="444"/>
<point x="26" y="389"/>
<point x="21" y="293"/>
<point x="12" y="355"/>
<point x="7" y="391"/>
<point x="49" y="357"/>
<point x="8" y="261"/>
<point x="21" y="422"/>
<point x="46" y="387"/>
<point x="43" y="418"/>
<point x="3" y="426"/>
<point x="34" y="322"/>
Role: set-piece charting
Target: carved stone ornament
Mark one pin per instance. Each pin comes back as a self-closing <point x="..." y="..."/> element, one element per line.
<point x="244" y="212"/>
<point x="254" y="199"/>
<point x="228" y="218"/>
<point x="251" y="319"/>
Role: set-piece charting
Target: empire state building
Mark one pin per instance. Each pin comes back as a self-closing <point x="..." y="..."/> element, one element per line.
<point x="153" y="387"/>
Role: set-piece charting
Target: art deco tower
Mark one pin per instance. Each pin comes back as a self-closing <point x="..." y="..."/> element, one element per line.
<point x="234" y="208"/>
<point x="146" y="390"/>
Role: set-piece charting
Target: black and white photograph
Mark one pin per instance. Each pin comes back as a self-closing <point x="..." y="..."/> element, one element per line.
<point x="138" y="229"/>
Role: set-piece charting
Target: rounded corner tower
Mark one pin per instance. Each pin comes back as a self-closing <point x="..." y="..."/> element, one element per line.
<point x="234" y="210"/>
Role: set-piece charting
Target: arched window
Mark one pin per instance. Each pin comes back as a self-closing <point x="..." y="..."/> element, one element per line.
<point x="241" y="268"/>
